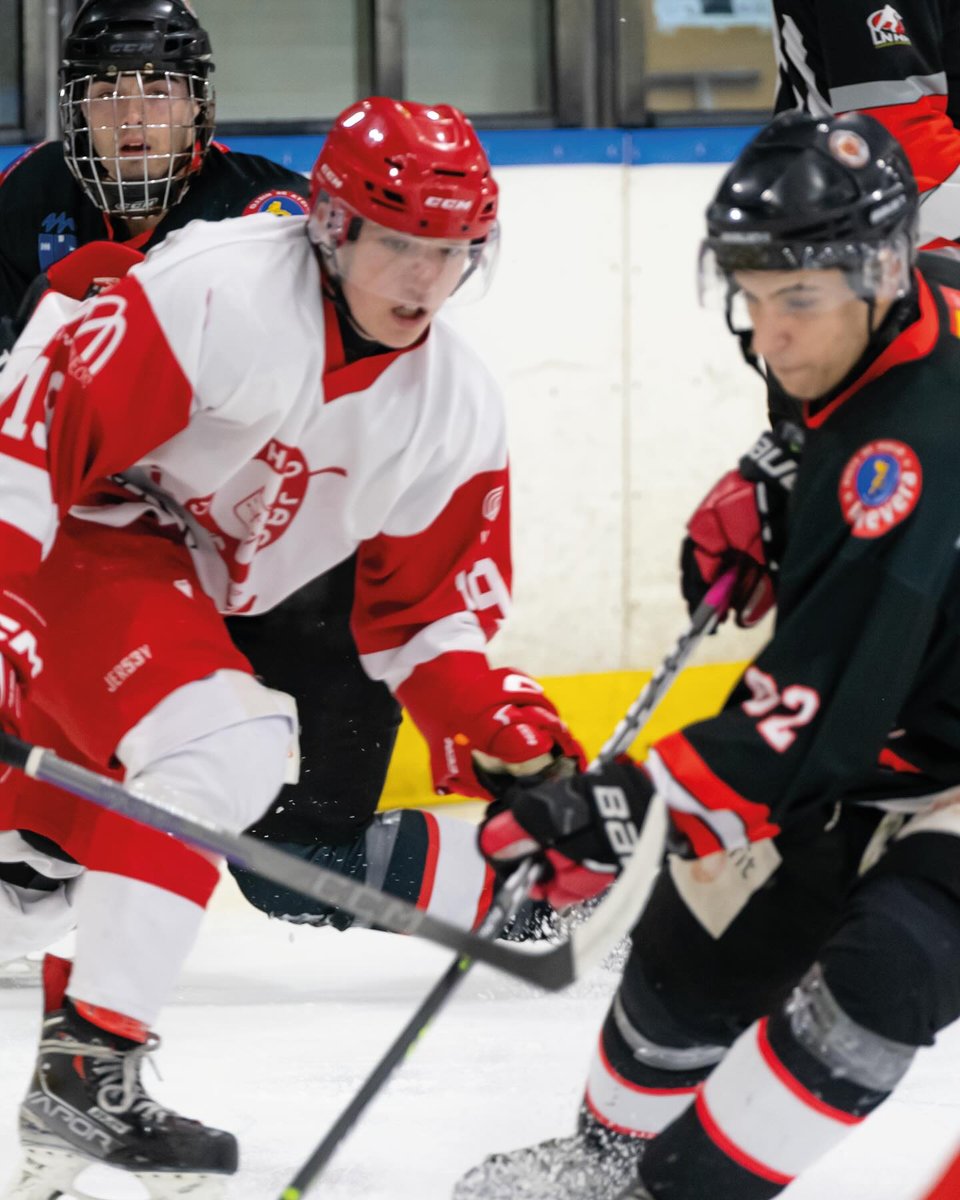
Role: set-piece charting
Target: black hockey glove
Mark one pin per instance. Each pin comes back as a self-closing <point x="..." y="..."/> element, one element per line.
<point x="583" y="828"/>
<point x="742" y="522"/>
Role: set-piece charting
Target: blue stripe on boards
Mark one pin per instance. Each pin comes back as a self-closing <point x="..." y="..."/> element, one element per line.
<point x="532" y="147"/>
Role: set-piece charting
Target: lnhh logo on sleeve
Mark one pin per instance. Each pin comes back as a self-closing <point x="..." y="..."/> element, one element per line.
<point x="887" y="28"/>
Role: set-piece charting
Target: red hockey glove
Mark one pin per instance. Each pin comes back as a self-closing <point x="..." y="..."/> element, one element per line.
<point x="92" y="268"/>
<point x="742" y="522"/>
<point x="584" y="828"/>
<point x="465" y="709"/>
<point x="20" y="661"/>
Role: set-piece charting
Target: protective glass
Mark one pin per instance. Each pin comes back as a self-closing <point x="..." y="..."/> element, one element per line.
<point x="133" y="139"/>
<point x="880" y="271"/>
<point x="413" y="272"/>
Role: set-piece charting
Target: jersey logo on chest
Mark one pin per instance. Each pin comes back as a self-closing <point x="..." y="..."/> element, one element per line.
<point x="255" y="508"/>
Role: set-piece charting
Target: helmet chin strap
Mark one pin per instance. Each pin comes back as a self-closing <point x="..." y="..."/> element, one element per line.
<point x="745" y="339"/>
<point x="333" y="290"/>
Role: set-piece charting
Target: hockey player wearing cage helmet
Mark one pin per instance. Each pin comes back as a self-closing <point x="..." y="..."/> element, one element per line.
<point x="136" y="103"/>
<point x="403" y="213"/>
<point x="800" y="944"/>
<point x="135" y="161"/>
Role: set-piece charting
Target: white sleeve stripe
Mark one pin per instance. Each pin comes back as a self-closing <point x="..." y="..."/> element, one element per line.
<point x="940" y="210"/>
<point x="726" y="825"/>
<point x="458" y="632"/>
<point x="885" y="93"/>
<point x="641" y="1111"/>
<point x="763" y="1117"/>
<point x="27" y="500"/>
<point x="460" y="874"/>
<point x="789" y="47"/>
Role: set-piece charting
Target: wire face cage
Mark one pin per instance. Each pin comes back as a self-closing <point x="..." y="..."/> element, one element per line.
<point x="133" y="139"/>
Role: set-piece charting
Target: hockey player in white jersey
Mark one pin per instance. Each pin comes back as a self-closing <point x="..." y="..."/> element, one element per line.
<point x="200" y="440"/>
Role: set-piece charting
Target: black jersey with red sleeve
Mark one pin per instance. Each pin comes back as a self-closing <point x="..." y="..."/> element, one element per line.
<point x="857" y="695"/>
<point x="898" y="62"/>
<point x="45" y="214"/>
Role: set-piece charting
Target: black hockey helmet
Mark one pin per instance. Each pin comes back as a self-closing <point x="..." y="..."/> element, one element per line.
<point x="144" y="41"/>
<point x="816" y="192"/>
<point x="136" y="35"/>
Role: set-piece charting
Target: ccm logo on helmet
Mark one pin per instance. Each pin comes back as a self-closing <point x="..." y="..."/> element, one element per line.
<point x="447" y="204"/>
<point x="331" y="176"/>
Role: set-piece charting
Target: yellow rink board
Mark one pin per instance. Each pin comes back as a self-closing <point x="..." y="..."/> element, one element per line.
<point x="592" y="705"/>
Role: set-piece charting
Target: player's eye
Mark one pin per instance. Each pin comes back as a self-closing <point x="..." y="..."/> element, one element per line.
<point x="804" y="303"/>
<point x="397" y="245"/>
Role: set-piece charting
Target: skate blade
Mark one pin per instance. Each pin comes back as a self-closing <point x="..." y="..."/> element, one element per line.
<point x="52" y="1173"/>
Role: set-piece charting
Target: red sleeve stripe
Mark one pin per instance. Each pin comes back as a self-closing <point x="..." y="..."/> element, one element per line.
<point x="690" y="787"/>
<point x="762" y="1117"/>
<point x="11" y="167"/>
<point x="732" y="1150"/>
<point x="948" y="1187"/>
<point x="929" y="137"/>
<point x="627" y="1107"/>
<point x="804" y="1095"/>
<point x="430" y="865"/>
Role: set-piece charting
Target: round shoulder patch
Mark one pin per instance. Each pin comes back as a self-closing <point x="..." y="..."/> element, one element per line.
<point x="281" y="204"/>
<point x="880" y="487"/>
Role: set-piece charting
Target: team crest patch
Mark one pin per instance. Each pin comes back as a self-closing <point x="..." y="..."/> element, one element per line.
<point x="281" y="204"/>
<point x="880" y="487"/>
<point x="887" y="28"/>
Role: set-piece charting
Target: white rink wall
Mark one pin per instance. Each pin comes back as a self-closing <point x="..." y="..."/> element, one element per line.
<point x="625" y="402"/>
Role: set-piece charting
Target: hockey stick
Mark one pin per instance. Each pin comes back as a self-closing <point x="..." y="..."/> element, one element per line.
<point x="508" y="900"/>
<point x="553" y="970"/>
<point x="505" y="904"/>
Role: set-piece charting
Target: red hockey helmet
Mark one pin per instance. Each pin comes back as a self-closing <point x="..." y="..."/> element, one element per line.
<point x="415" y="168"/>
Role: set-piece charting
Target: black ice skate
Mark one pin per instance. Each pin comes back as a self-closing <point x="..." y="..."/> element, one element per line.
<point x="87" y="1105"/>
<point x="592" y="1164"/>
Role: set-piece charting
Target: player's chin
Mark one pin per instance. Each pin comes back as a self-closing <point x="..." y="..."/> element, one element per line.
<point x="798" y="382"/>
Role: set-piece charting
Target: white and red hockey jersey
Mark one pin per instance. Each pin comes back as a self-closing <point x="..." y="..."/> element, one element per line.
<point x="209" y="386"/>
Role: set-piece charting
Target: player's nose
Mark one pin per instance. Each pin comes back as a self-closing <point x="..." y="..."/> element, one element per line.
<point x="771" y="332"/>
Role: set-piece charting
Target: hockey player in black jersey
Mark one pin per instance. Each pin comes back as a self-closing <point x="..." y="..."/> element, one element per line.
<point x="803" y="938"/>
<point x="137" y="158"/>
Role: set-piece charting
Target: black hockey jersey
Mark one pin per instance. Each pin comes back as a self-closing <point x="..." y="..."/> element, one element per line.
<point x="857" y="695"/>
<point x="44" y="213"/>
<point x="898" y="62"/>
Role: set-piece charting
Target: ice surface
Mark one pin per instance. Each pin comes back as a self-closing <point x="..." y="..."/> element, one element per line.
<point x="274" y="1028"/>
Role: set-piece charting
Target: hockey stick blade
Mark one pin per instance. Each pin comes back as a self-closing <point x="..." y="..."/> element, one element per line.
<point x="606" y="927"/>
<point x="552" y="970"/>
